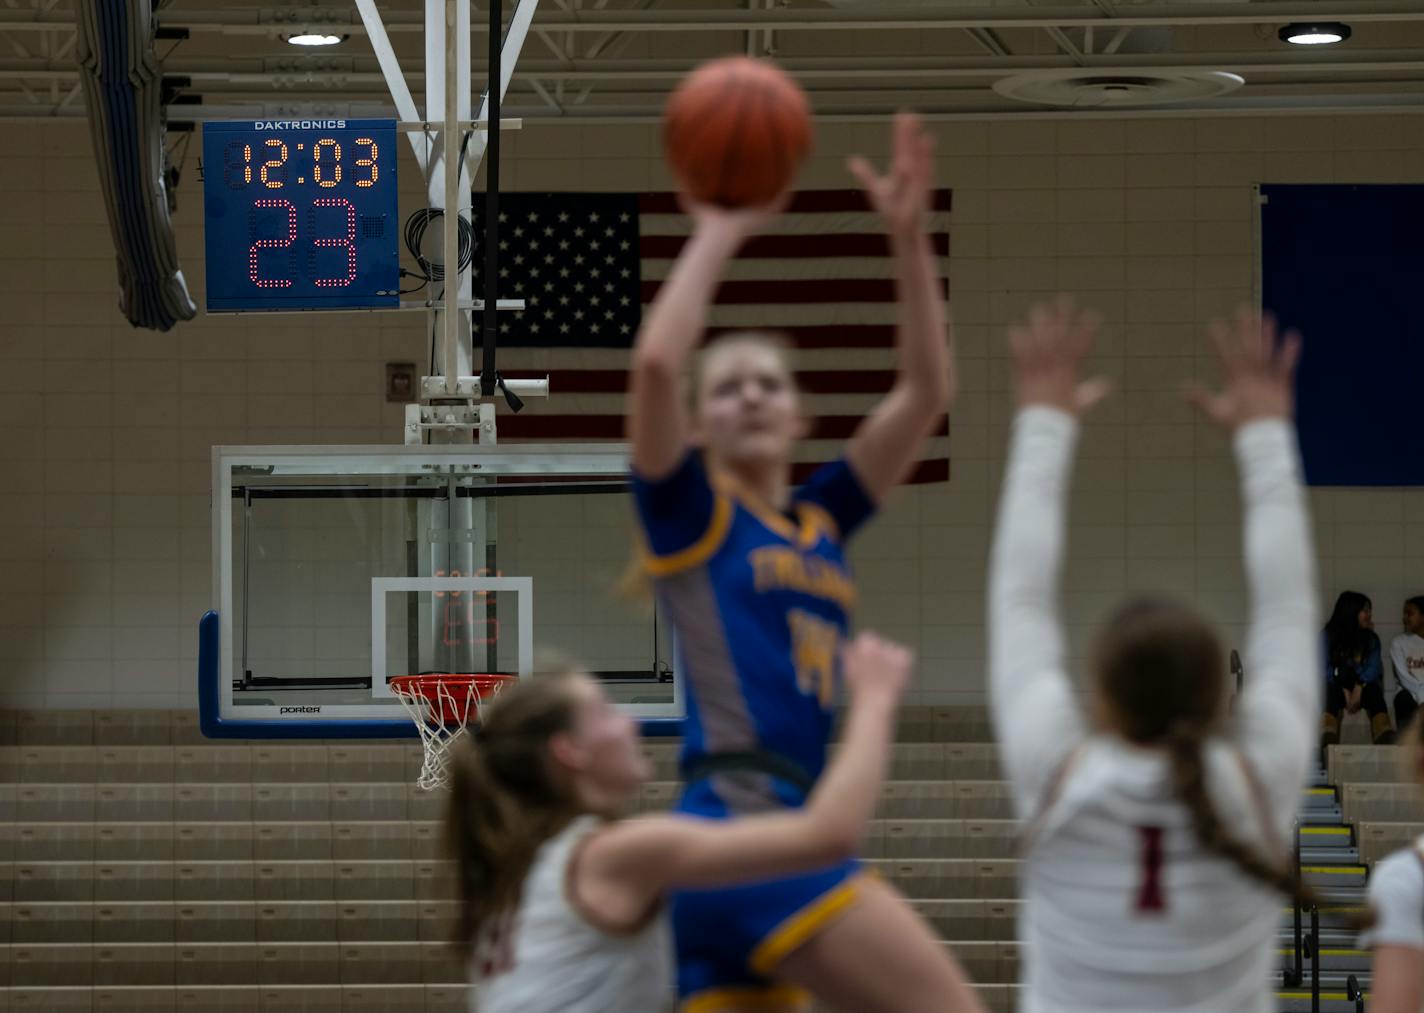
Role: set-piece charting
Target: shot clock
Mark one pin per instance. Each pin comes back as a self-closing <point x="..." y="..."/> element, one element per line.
<point x="301" y="214"/>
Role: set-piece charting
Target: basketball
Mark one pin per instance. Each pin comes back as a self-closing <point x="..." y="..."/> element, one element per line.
<point x="735" y="132"/>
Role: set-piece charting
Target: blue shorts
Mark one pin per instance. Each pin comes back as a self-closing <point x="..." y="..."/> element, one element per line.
<point x="730" y="940"/>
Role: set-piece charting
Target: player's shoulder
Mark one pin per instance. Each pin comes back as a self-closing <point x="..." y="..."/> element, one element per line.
<point x="1400" y="876"/>
<point x="1396" y="900"/>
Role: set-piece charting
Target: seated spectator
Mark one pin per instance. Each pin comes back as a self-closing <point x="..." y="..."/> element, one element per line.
<point x="1406" y="652"/>
<point x="1354" y="674"/>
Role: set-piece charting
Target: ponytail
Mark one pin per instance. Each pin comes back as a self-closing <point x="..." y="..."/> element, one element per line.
<point x="505" y="801"/>
<point x="1184" y="751"/>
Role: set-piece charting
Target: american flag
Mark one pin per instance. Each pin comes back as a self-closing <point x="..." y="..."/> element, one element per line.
<point x="586" y="264"/>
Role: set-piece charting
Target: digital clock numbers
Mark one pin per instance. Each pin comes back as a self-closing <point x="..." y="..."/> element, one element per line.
<point x="300" y="214"/>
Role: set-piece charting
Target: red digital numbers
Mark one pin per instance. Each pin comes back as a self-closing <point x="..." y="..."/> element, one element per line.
<point x="271" y="244"/>
<point x="460" y="624"/>
<point x="348" y="241"/>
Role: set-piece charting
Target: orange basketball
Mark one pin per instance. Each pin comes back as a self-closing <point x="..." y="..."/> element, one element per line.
<point x="735" y="132"/>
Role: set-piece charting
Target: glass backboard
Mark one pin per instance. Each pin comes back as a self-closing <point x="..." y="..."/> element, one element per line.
<point x="337" y="569"/>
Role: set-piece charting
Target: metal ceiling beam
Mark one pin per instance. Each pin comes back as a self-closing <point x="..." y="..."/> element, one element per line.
<point x="790" y="19"/>
<point x="809" y="70"/>
<point x="1237" y="106"/>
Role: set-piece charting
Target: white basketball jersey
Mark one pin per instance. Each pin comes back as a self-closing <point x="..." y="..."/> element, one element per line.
<point x="1124" y="908"/>
<point x="563" y="964"/>
<point x="1397" y="900"/>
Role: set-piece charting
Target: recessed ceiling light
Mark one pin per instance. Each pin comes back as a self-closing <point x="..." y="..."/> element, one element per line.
<point x="315" y="39"/>
<point x="1315" y="33"/>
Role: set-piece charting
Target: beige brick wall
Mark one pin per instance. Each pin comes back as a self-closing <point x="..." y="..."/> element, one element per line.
<point x="105" y="431"/>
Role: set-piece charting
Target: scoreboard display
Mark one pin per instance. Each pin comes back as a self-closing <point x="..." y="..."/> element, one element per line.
<point x="301" y="215"/>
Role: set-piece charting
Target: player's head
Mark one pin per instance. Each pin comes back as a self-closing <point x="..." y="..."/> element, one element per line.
<point x="550" y="749"/>
<point x="1160" y="673"/>
<point x="1414" y="615"/>
<point x="746" y="410"/>
<point x="1161" y="683"/>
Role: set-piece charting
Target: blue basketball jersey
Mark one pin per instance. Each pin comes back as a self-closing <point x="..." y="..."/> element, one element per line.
<point x="761" y="601"/>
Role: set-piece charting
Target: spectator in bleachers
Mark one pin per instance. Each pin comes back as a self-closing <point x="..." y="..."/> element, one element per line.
<point x="1406" y="653"/>
<point x="1354" y="674"/>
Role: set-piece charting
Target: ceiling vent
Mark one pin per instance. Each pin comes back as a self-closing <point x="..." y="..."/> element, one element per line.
<point x="1090" y="88"/>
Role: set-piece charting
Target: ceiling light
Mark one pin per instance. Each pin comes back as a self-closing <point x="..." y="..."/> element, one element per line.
<point x="315" y="39"/>
<point x="1315" y="33"/>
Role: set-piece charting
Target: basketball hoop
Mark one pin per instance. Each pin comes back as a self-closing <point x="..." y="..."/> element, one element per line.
<point x="441" y="705"/>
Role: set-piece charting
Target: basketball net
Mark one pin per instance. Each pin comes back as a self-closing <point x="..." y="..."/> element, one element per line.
<point x="441" y="707"/>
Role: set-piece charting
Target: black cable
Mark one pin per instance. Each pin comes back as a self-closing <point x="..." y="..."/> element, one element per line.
<point x="411" y="274"/>
<point x="432" y="334"/>
<point x="415" y="227"/>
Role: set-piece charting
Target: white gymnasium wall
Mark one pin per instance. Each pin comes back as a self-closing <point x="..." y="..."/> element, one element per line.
<point x="104" y="431"/>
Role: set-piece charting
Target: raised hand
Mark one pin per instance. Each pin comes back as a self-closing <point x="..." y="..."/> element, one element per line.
<point x="733" y="223"/>
<point x="876" y="668"/>
<point x="1258" y="371"/>
<point x="1049" y="350"/>
<point x="902" y="195"/>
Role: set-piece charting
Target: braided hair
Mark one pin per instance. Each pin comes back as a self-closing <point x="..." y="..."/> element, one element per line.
<point x="1162" y="674"/>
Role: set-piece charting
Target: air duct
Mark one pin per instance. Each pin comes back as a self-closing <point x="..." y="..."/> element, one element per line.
<point x="123" y="83"/>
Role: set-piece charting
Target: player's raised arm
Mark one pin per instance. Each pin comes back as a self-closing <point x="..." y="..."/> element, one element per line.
<point x="888" y="443"/>
<point x="1036" y="718"/>
<point x="671" y="330"/>
<point x="652" y="855"/>
<point x="1280" y="706"/>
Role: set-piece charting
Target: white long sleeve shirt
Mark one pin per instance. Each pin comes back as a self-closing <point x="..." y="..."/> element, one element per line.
<point x="1124" y="909"/>
<point x="1406" y="653"/>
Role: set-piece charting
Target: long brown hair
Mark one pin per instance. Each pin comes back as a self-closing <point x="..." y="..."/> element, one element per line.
<point x="1162" y="674"/>
<point x="506" y="799"/>
<point x="634" y="583"/>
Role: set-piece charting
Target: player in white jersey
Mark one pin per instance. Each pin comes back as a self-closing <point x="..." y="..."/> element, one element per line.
<point x="1397" y="907"/>
<point x="1406" y="653"/>
<point x="1157" y="828"/>
<point x="562" y="902"/>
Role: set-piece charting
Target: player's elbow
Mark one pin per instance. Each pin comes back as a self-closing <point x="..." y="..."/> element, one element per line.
<point x="834" y="839"/>
<point x="654" y="364"/>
